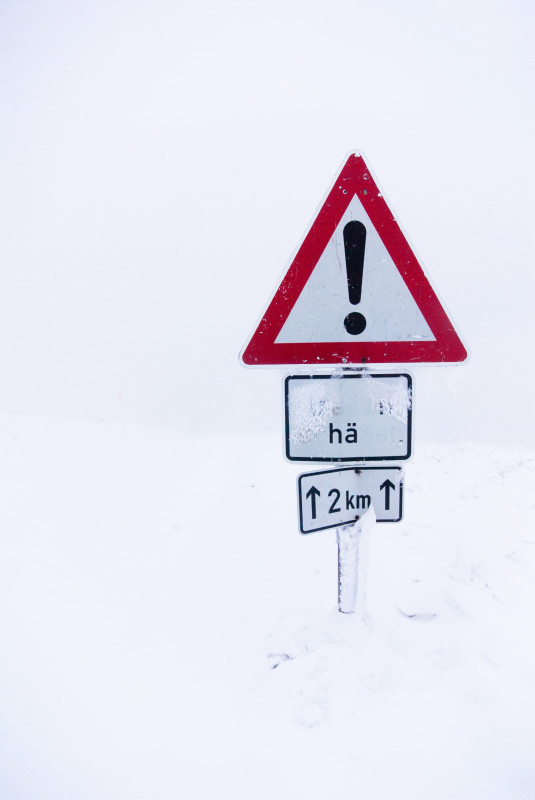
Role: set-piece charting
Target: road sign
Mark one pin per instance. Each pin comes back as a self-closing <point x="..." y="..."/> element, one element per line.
<point x="362" y="417"/>
<point x="355" y="292"/>
<point x="340" y="496"/>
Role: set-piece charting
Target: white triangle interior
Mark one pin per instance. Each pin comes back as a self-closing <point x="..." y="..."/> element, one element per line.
<point x="389" y="309"/>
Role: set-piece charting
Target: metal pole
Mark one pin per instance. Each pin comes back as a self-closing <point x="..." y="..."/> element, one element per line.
<point x="348" y="563"/>
<point x="349" y="538"/>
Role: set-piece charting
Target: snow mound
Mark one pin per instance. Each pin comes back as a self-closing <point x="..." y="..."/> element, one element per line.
<point x="166" y="631"/>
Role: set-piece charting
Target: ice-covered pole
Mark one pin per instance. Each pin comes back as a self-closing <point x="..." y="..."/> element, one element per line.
<point x="349" y="538"/>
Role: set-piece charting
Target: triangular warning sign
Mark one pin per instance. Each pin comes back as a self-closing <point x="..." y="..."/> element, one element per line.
<point x="355" y="292"/>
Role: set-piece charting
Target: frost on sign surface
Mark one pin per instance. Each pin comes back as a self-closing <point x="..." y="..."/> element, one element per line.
<point x="348" y="417"/>
<point x="393" y="398"/>
<point x="314" y="404"/>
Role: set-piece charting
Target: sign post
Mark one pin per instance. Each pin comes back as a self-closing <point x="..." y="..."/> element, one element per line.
<point x="354" y="295"/>
<point x="349" y="539"/>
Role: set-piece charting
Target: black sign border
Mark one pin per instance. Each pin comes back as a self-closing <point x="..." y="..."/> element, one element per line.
<point x="345" y="469"/>
<point x="354" y="460"/>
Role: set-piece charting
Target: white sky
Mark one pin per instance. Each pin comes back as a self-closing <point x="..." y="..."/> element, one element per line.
<point x="161" y="160"/>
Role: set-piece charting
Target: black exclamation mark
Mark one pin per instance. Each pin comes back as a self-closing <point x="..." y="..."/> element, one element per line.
<point x="354" y="246"/>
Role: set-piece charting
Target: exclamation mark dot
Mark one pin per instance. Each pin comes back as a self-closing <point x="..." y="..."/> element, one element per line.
<point x="354" y="246"/>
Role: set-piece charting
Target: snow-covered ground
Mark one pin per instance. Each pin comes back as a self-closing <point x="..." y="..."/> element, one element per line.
<point x="166" y="632"/>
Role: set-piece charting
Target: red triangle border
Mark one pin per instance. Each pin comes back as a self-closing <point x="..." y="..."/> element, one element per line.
<point x="355" y="178"/>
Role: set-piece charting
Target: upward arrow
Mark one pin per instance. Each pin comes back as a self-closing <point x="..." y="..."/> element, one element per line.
<point x="313" y="493"/>
<point x="387" y="486"/>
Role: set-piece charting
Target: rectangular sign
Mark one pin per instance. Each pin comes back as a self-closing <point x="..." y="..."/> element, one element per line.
<point x="340" y="417"/>
<point x="340" y="496"/>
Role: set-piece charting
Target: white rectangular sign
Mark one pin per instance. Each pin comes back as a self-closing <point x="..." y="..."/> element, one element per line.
<point x="339" y="497"/>
<point x="340" y="417"/>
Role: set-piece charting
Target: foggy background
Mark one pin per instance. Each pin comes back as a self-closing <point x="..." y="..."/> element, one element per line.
<point x="160" y="162"/>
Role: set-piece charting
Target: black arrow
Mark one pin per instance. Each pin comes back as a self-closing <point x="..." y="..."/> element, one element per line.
<point x="313" y="493"/>
<point x="387" y="486"/>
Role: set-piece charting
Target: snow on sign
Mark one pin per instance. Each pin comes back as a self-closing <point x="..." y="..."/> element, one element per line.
<point x="363" y="417"/>
<point x="354" y="293"/>
<point x="338" y="497"/>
